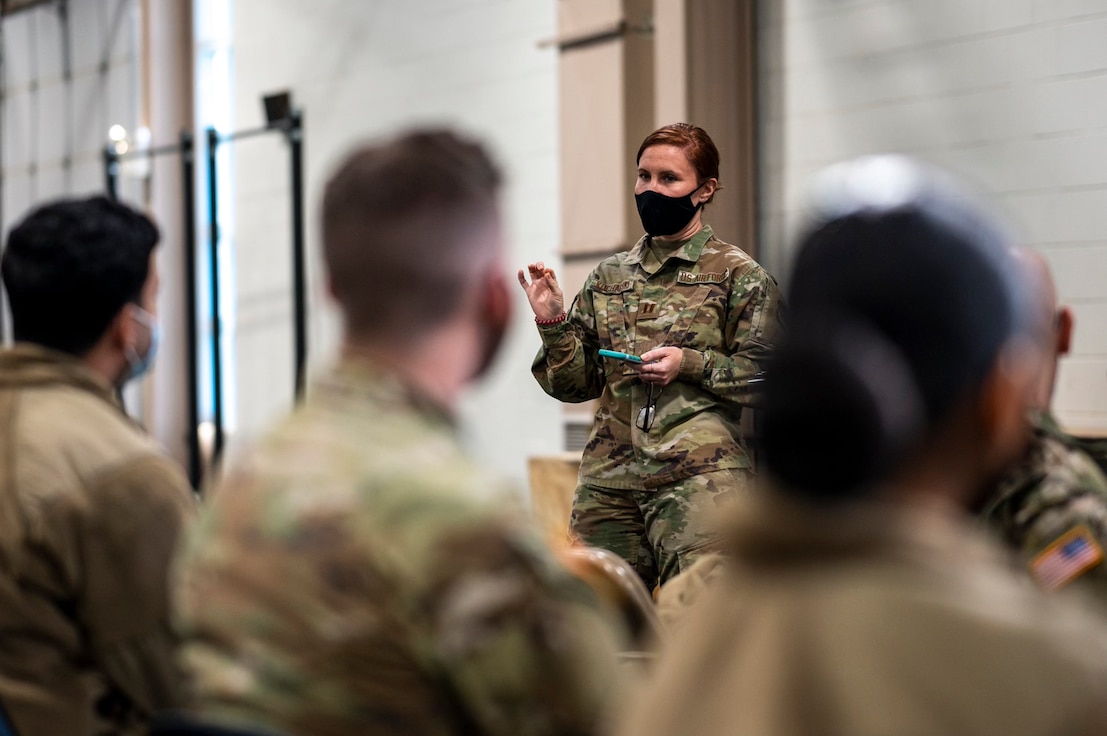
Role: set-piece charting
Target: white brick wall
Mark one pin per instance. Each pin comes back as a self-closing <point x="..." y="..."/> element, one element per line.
<point x="53" y="132"/>
<point x="54" y="129"/>
<point x="362" y="69"/>
<point x="1010" y="93"/>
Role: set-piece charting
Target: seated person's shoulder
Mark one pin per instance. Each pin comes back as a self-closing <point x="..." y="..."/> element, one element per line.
<point x="680" y="595"/>
<point x="77" y="441"/>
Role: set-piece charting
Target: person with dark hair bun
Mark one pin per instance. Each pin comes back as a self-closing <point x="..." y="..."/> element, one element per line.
<point x="860" y="597"/>
<point x="697" y="317"/>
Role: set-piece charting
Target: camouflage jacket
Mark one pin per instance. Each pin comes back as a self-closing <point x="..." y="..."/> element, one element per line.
<point x="707" y="297"/>
<point x="1052" y="507"/>
<point x="355" y="574"/>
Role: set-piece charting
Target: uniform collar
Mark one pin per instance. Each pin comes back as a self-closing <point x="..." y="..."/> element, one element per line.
<point x="775" y="532"/>
<point x="26" y="365"/>
<point x="1045" y="423"/>
<point x="688" y="250"/>
<point x="359" y="379"/>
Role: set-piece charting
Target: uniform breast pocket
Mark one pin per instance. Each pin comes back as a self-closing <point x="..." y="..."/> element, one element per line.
<point x="698" y="307"/>
<point x="611" y="303"/>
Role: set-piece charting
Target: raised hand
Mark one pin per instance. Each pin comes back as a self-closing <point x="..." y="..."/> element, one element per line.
<point x="543" y="292"/>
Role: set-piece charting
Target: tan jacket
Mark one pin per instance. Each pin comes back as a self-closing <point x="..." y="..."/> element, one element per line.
<point x="90" y="511"/>
<point x="877" y="622"/>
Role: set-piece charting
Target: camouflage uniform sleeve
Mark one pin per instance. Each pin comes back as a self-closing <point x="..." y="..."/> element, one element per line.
<point x="567" y="366"/>
<point x="754" y="319"/>
<point x="521" y="645"/>
<point x="1068" y="504"/>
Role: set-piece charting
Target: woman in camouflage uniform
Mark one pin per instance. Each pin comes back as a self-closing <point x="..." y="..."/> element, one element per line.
<point x="666" y="447"/>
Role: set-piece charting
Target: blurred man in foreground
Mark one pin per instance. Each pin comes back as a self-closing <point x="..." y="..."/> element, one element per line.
<point x="356" y="573"/>
<point x="90" y="507"/>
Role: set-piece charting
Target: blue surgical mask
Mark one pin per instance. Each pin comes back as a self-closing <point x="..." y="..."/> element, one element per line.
<point x="139" y="366"/>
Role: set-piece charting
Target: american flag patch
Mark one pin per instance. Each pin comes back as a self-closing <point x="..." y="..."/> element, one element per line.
<point x="1071" y="554"/>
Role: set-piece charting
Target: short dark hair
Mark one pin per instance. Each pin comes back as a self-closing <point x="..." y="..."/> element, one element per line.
<point x="70" y="266"/>
<point x="404" y="230"/>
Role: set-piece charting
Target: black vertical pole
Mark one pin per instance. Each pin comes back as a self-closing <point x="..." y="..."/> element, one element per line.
<point x="299" y="268"/>
<point x="192" y="332"/>
<point x="111" y="184"/>
<point x="111" y="171"/>
<point x="216" y="350"/>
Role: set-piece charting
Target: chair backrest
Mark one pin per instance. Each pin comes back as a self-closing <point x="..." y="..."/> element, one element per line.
<point x="6" y="727"/>
<point x="618" y="585"/>
<point x="182" y="724"/>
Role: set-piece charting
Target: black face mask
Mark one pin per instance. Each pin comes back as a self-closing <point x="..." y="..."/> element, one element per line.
<point x="662" y="215"/>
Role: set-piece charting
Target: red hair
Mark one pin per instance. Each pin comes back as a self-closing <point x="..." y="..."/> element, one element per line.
<point x="694" y="141"/>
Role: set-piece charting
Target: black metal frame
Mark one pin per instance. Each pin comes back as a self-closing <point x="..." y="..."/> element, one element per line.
<point x="292" y="128"/>
<point x="186" y="149"/>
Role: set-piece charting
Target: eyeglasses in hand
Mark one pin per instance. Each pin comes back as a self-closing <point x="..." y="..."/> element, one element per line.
<point x="646" y="414"/>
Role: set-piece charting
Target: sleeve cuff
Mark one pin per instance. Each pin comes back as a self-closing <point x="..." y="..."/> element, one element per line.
<point x="692" y="363"/>
<point x="553" y="334"/>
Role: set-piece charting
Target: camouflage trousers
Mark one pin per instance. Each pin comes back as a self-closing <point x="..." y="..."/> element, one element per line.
<point x="660" y="531"/>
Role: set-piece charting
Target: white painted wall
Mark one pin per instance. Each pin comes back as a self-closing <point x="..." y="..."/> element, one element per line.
<point x="56" y="125"/>
<point x="362" y="69"/>
<point x="54" y="129"/>
<point x="1010" y="93"/>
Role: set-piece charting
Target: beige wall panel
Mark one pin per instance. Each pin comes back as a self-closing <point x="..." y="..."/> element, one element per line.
<point x="670" y="65"/>
<point x="582" y="17"/>
<point x="639" y="101"/>
<point x="721" y="99"/>
<point x="594" y="171"/>
<point x="553" y="480"/>
<point x="607" y="107"/>
<point x="167" y="95"/>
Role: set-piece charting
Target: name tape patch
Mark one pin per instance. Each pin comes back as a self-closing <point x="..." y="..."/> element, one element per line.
<point x="713" y="277"/>
<point x="618" y="288"/>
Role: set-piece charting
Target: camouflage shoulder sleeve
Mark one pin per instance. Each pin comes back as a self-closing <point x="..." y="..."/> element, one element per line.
<point x="567" y="366"/>
<point x="522" y="646"/>
<point x="1062" y="520"/>
<point x="755" y="312"/>
<point x="1093" y="447"/>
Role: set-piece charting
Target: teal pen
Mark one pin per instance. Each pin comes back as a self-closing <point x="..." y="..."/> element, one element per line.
<point x="616" y="355"/>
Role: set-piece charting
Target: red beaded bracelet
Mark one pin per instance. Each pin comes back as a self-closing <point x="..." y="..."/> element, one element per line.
<point x="556" y="320"/>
